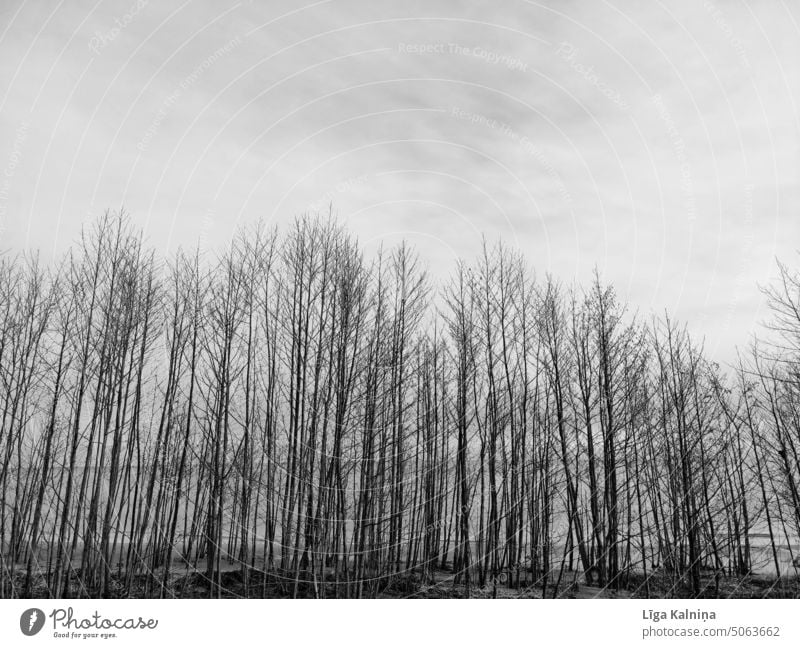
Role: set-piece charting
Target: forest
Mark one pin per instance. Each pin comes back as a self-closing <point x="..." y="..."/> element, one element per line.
<point x="292" y="418"/>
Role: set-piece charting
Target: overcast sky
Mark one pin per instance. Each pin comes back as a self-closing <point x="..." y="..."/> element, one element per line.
<point x="658" y="141"/>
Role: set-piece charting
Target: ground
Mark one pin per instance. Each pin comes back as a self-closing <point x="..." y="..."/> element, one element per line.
<point x="189" y="582"/>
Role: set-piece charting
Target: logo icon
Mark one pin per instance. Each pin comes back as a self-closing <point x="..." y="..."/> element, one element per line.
<point x="31" y="621"/>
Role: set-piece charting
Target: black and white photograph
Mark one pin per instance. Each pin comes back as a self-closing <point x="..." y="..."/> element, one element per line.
<point x="439" y="302"/>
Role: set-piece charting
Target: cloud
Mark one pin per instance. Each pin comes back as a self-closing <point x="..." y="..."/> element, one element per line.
<point x="437" y="121"/>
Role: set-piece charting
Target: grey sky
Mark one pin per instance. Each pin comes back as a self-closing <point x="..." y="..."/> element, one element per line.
<point x="658" y="141"/>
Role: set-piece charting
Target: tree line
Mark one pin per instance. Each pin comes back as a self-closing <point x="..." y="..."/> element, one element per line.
<point x="329" y="424"/>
